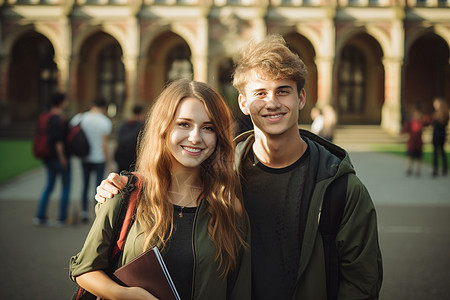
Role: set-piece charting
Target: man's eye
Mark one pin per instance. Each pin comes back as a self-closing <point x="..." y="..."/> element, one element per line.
<point x="283" y="92"/>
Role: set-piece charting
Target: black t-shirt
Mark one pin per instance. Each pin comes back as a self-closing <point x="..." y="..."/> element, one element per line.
<point x="127" y="136"/>
<point x="272" y="198"/>
<point x="57" y="132"/>
<point x="179" y="257"/>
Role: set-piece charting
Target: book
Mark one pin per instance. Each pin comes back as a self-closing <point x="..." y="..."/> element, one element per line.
<point x="149" y="271"/>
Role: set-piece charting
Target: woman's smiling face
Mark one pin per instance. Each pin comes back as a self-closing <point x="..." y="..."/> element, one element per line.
<point x="192" y="138"/>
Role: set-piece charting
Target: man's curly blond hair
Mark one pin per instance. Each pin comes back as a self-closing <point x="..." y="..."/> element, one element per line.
<point x="271" y="59"/>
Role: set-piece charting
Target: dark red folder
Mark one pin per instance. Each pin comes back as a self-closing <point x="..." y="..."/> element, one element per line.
<point x="149" y="271"/>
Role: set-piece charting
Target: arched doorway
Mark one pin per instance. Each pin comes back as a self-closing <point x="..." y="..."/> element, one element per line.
<point x="426" y="73"/>
<point x="101" y="73"/>
<point x="33" y="76"/>
<point x="168" y="58"/>
<point x="360" y="81"/>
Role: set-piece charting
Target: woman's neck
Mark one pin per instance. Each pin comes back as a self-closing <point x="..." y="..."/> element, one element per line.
<point x="184" y="189"/>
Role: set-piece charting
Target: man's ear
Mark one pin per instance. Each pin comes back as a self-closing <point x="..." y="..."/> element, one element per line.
<point x="301" y="99"/>
<point x="243" y="104"/>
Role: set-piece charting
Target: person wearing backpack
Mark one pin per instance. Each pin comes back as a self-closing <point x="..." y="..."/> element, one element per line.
<point x="313" y="224"/>
<point x="57" y="160"/>
<point x="97" y="127"/>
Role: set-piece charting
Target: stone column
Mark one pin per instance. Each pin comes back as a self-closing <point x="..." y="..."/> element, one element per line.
<point x="325" y="60"/>
<point x="324" y="80"/>
<point x="130" y="64"/>
<point x="391" y="111"/>
<point x="72" y="85"/>
<point x="200" y="53"/>
<point x="62" y="63"/>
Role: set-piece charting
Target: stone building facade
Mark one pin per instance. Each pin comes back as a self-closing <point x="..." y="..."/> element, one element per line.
<point x="371" y="59"/>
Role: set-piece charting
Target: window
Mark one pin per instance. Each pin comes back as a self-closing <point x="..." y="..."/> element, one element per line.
<point x="111" y="77"/>
<point x="179" y="64"/>
<point x="352" y="79"/>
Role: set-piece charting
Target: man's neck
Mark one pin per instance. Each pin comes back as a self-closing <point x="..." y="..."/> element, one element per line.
<point x="96" y="110"/>
<point x="56" y="110"/>
<point x="278" y="151"/>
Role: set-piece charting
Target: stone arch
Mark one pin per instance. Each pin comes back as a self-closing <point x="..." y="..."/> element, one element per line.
<point x="416" y="34"/>
<point x="359" y="102"/>
<point x="31" y="64"/>
<point x="112" y="30"/>
<point x="426" y="70"/>
<point x="154" y="64"/>
<point x="376" y="33"/>
<point x="90" y="73"/>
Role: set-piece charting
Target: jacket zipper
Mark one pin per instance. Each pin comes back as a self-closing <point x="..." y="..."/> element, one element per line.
<point x="193" y="249"/>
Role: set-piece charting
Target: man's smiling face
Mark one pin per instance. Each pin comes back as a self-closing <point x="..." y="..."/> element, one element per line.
<point x="272" y="104"/>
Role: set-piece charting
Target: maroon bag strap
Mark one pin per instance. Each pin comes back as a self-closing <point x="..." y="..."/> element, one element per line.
<point x="130" y="213"/>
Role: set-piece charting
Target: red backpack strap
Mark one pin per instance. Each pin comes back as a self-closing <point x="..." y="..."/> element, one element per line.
<point x="133" y="198"/>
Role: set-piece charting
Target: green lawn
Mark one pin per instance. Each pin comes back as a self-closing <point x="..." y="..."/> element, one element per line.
<point x="16" y="157"/>
<point x="400" y="149"/>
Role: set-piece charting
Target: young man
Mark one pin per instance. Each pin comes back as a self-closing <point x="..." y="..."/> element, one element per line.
<point x="97" y="127"/>
<point x="287" y="177"/>
<point x="58" y="163"/>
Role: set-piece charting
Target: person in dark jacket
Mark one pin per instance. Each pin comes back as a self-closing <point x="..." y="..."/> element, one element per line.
<point x="58" y="164"/>
<point x="190" y="205"/>
<point x="286" y="176"/>
<point x="440" y="121"/>
<point x="127" y="137"/>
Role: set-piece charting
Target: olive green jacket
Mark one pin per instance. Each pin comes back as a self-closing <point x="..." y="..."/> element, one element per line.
<point x="360" y="266"/>
<point x="206" y="282"/>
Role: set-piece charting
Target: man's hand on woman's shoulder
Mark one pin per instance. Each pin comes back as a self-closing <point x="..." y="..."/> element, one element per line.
<point x="110" y="187"/>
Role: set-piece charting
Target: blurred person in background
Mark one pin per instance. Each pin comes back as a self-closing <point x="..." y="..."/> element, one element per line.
<point x="440" y="121"/>
<point x="414" y="128"/>
<point x="127" y="137"/>
<point x="58" y="164"/>
<point x="317" y="120"/>
<point x="97" y="127"/>
<point x="329" y="123"/>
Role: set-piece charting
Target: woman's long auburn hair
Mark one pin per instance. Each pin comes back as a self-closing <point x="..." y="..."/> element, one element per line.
<point x="221" y="187"/>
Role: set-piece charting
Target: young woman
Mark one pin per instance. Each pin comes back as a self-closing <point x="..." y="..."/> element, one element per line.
<point x="190" y="205"/>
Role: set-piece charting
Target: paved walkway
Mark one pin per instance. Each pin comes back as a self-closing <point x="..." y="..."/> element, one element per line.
<point x="414" y="214"/>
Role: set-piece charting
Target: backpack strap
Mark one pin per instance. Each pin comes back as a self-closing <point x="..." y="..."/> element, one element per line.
<point x="130" y="198"/>
<point x="121" y="226"/>
<point x="329" y="225"/>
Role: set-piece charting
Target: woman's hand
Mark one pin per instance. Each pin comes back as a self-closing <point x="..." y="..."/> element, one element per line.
<point x="101" y="285"/>
<point x="137" y="293"/>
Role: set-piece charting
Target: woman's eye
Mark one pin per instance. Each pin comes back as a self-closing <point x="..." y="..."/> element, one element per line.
<point x="208" y="128"/>
<point x="183" y="124"/>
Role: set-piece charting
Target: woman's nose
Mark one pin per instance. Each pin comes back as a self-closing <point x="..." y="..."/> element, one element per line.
<point x="194" y="135"/>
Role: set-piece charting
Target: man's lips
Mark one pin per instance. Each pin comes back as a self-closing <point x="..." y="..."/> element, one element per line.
<point x="274" y="116"/>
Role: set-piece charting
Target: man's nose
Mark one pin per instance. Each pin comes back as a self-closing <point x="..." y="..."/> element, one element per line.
<point x="272" y="101"/>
